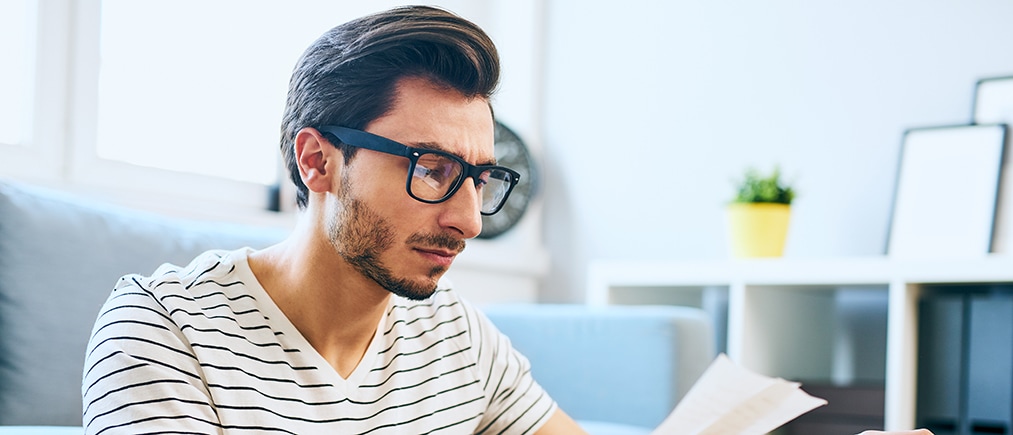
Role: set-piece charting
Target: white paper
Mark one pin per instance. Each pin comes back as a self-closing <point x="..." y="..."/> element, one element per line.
<point x="729" y="400"/>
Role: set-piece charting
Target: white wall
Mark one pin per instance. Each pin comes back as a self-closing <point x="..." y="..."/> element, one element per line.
<point x="651" y="109"/>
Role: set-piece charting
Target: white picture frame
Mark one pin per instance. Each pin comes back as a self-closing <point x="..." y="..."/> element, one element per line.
<point x="945" y="197"/>
<point x="993" y="101"/>
<point x="993" y="104"/>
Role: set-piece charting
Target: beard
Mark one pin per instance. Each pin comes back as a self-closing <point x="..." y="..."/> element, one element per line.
<point x="360" y="236"/>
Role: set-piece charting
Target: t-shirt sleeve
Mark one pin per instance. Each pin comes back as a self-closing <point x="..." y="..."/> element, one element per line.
<point x="140" y="375"/>
<point x="516" y="404"/>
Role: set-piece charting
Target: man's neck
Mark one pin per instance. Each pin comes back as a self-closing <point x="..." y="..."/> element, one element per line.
<point x="333" y="306"/>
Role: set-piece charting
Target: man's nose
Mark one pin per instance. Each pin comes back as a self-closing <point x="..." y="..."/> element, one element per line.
<point x="463" y="210"/>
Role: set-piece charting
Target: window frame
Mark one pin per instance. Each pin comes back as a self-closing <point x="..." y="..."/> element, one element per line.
<point x="40" y="157"/>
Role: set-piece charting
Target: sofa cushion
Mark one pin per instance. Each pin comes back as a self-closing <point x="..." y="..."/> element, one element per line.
<point x="619" y="364"/>
<point x="59" y="259"/>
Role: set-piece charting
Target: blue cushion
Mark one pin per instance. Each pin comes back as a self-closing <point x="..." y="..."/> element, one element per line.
<point x="617" y="364"/>
<point x="59" y="259"/>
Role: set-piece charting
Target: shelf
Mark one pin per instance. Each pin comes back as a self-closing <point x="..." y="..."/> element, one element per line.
<point x="790" y="271"/>
<point x="784" y="317"/>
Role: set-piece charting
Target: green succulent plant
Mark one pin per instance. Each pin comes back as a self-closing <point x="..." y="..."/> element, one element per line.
<point x="756" y="187"/>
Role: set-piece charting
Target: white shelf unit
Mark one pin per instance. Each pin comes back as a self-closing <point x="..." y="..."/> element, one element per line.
<point x="780" y="310"/>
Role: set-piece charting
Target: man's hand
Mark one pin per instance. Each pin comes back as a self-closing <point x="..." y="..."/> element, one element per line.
<point x="560" y="424"/>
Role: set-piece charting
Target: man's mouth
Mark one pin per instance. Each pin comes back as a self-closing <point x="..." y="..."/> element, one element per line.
<point x="439" y="256"/>
<point x="440" y="244"/>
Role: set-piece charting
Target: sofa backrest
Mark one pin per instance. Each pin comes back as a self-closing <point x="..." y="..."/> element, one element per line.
<point x="60" y="256"/>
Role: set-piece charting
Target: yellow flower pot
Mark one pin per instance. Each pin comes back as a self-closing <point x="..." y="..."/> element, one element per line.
<point x="758" y="229"/>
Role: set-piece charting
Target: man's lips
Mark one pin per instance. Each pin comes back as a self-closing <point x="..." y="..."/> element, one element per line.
<point x="442" y="257"/>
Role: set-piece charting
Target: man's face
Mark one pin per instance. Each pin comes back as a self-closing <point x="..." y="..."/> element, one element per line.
<point x="403" y="244"/>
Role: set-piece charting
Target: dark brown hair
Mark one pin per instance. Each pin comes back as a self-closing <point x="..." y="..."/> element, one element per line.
<point x="349" y="75"/>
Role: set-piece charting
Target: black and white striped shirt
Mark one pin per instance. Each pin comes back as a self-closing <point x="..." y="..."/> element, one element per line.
<point x="204" y="349"/>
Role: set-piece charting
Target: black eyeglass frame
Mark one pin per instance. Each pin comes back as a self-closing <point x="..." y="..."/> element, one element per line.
<point x="366" y="140"/>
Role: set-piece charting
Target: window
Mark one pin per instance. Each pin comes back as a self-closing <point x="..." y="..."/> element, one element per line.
<point x="207" y="100"/>
<point x="176" y="102"/>
<point x="17" y="30"/>
<point x="185" y="97"/>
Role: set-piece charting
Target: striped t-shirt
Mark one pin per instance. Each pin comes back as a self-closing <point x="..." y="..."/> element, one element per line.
<point x="204" y="349"/>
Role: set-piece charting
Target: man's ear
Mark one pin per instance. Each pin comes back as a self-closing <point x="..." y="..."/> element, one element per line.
<point x="318" y="160"/>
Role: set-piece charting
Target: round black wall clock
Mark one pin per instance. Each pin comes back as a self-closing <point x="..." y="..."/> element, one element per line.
<point x="512" y="153"/>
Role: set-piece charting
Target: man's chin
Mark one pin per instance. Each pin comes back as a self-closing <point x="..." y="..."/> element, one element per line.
<point x="418" y="290"/>
<point x="415" y="296"/>
<point x="415" y="293"/>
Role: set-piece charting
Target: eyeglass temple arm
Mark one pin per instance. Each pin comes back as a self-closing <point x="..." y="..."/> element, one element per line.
<point x="361" y="139"/>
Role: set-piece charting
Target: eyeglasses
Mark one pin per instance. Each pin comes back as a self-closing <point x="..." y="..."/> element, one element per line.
<point x="434" y="176"/>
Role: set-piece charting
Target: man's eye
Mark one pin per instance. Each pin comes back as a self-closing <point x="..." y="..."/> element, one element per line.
<point x="422" y="172"/>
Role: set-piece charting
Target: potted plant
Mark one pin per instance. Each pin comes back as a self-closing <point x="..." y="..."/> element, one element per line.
<point x="758" y="216"/>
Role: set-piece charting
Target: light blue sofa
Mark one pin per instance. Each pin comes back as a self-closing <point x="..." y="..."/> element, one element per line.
<point x="60" y="255"/>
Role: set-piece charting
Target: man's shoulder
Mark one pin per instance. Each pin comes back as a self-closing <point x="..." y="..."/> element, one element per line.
<point x="212" y="286"/>
<point x="172" y="278"/>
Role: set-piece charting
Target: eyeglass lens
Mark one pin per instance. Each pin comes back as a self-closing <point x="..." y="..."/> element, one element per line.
<point x="436" y="175"/>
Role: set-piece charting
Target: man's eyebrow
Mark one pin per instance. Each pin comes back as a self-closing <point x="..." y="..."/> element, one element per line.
<point x="436" y="147"/>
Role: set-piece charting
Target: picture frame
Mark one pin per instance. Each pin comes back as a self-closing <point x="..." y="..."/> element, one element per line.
<point x="993" y="101"/>
<point x="946" y="192"/>
<point x="993" y="104"/>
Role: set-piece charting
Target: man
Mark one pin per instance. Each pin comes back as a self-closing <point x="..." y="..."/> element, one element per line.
<point x="344" y="327"/>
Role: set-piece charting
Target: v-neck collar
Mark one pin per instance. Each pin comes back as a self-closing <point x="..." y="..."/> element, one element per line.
<point x="295" y="339"/>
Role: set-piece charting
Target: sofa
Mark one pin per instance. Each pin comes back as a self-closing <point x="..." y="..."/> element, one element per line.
<point x="61" y="254"/>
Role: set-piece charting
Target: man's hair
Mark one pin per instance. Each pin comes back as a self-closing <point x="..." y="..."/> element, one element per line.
<point x="348" y="76"/>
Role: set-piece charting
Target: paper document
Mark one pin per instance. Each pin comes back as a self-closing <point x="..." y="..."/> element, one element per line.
<point x="730" y="400"/>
